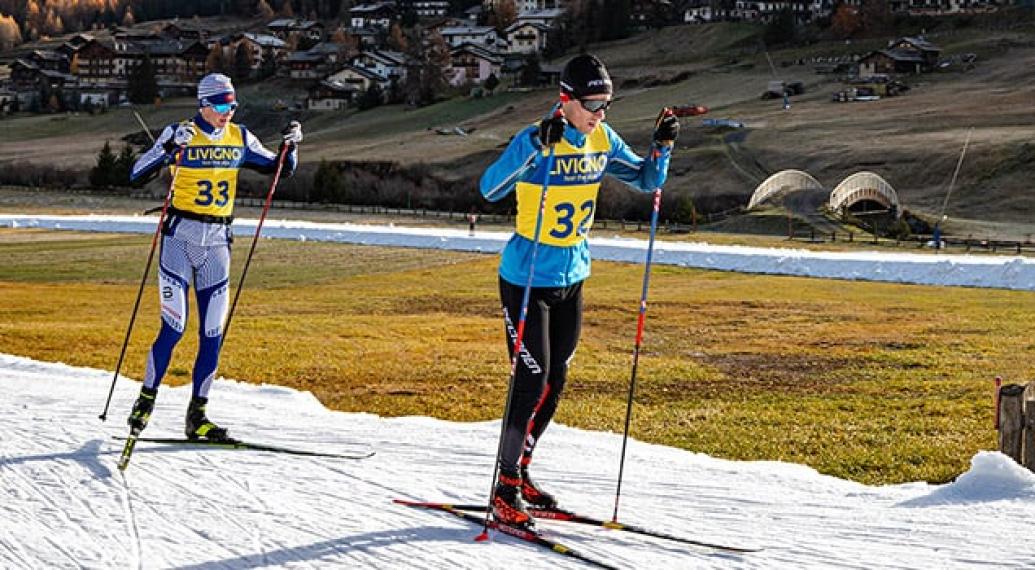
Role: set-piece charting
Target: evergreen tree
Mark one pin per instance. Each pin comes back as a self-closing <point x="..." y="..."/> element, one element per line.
<point x="328" y="185"/>
<point x="530" y="71"/>
<point x="123" y="166"/>
<point x="409" y="17"/>
<point x="45" y="93"/>
<point x="685" y="211"/>
<point x="101" y="175"/>
<point x="614" y="17"/>
<point x="371" y="98"/>
<point x="268" y="68"/>
<point x="782" y="30"/>
<point x="491" y="82"/>
<point x="142" y="86"/>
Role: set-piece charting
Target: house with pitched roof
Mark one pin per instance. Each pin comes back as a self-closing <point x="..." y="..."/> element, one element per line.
<point x="386" y="63"/>
<point x="377" y="15"/>
<point x="526" y="37"/>
<point x="359" y="78"/>
<point x="474" y="63"/>
<point x="484" y="36"/>
<point x="330" y="95"/>
<point x="903" y="55"/>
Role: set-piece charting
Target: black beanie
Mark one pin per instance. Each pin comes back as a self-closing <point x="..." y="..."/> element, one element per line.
<point x="585" y="75"/>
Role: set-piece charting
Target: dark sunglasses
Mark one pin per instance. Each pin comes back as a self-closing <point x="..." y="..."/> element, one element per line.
<point x="594" y="105"/>
<point x="224" y="108"/>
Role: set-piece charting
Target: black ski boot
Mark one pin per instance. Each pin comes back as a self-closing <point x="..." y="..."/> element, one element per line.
<point x="507" y="506"/>
<point x="533" y="494"/>
<point x="199" y="426"/>
<point x="142" y="409"/>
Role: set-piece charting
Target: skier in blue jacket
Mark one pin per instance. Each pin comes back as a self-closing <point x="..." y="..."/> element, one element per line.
<point x="585" y="149"/>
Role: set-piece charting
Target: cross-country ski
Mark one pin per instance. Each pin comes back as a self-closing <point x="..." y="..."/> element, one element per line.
<point x="562" y="515"/>
<point x="231" y="443"/>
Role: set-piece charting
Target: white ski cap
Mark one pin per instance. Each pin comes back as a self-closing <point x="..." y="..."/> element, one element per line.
<point x="214" y="89"/>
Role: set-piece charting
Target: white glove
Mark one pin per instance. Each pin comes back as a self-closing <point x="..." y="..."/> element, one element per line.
<point x="184" y="134"/>
<point x="292" y="133"/>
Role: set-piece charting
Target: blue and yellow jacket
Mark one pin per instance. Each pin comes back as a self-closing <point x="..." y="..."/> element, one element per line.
<point x="206" y="179"/>
<point x="580" y="163"/>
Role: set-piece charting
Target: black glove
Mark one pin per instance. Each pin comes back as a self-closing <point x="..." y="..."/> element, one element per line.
<point x="551" y="130"/>
<point x="666" y="128"/>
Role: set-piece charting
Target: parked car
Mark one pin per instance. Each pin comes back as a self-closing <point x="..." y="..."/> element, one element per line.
<point x="689" y="110"/>
<point x="778" y="89"/>
<point x="730" y="123"/>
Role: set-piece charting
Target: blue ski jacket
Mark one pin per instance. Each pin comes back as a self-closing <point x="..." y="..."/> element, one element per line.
<point x="578" y="166"/>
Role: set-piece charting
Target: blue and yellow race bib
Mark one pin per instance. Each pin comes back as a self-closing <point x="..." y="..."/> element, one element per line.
<point x="571" y="198"/>
<point x="206" y="179"/>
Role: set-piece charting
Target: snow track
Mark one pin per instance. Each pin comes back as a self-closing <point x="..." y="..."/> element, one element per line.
<point x="1003" y="272"/>
<point x="63" y="504"/>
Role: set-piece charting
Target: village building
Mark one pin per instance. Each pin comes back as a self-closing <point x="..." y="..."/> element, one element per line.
<point x="359" y="78"/>
<point x="527" y="37"/>
<point x="263" y="47"/>
<point x="484" y="36"/>
<point x="390" y="64"/>
<point x="473" y="63"/>
<point x="309" y="29"/>
<point x="906" y="55"/>
<point x="330" y="95"/>
<point x="431" y="8"/>
<point x="374" y="16"/>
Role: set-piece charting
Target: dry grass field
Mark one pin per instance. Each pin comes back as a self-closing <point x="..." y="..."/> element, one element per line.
<point x="879" y="383"/>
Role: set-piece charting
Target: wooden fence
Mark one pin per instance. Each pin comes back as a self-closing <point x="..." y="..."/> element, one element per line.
<point x="1015" y="421"/>
<point x="920" y="241"/>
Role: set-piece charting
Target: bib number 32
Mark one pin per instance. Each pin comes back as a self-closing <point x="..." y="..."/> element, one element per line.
<point x="566" y="214"/>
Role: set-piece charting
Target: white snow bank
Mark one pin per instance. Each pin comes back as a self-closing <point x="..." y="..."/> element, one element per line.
<point x="1003" y="272"/>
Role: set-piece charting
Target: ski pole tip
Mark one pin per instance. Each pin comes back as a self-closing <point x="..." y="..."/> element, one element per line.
<point x="484" y="536"/>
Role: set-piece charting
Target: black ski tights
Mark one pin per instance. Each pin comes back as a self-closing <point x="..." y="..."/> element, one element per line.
<point x="551" y="334"/>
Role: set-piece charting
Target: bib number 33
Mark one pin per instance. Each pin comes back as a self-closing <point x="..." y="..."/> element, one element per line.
<point x="206" y="197"/>
<point x="566" y="222"/>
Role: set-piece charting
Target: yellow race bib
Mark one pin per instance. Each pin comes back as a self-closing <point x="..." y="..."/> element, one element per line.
<point x="571" y="197"/>
<point x="206" y="179"/>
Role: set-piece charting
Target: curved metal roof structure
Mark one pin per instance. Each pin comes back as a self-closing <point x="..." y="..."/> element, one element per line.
<point x="783" y="182"/>
<point x="863" y="186"/>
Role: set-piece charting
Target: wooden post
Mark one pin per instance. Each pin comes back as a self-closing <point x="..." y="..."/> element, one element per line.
<point x="995" y="399"/>
<point x="1028" y="406"/>
<point x="1011" y="420"/>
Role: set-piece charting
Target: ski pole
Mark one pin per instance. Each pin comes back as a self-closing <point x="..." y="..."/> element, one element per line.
<point x="519" y="335"/>
<point x="639" y="338"/>
<point x="255" y="239"/>
<point x="144" y="125"/>
<point x="143" y="280"/>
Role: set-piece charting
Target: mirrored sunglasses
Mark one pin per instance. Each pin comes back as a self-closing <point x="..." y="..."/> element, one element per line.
<point x="594" y="105"/>
<point x="224" y="108"/>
